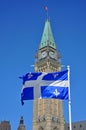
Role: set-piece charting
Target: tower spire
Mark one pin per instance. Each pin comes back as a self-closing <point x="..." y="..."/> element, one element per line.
<point x="48" y="113"/>
<point x="47" y="57"/>
<point x="47" y="36"/>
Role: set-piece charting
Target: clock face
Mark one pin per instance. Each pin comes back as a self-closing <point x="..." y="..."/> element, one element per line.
<point x="43" y="54"/>
<point x="51" y="54"/>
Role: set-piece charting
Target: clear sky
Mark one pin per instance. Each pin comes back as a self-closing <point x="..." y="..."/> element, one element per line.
<point x="21" y="27"/>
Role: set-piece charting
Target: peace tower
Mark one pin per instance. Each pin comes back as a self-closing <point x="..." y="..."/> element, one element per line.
<point x="47" y="113"/>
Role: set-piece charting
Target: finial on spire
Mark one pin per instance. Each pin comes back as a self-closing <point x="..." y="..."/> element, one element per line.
<point x="46" y="9"/>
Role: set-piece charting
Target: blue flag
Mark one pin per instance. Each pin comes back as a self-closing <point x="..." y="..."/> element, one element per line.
<point x="45" y="85"/>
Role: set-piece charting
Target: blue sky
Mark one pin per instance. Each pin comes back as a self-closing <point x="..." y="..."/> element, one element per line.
<point x="21" y="27"/>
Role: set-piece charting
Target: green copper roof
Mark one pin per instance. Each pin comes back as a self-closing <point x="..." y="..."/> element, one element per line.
<point x="47" y="36"/>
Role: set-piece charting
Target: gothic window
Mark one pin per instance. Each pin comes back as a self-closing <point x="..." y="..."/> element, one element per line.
<point x="55" y="119"/>
<point x="41" y="118"/>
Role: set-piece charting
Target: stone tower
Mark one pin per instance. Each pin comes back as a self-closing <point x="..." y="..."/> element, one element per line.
<point x="47" y="113"/>
<point x="21" y="124"/>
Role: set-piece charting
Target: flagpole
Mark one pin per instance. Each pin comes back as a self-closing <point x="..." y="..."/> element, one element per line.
<point x="69" y="99"/>
<point x="46" y="9"/>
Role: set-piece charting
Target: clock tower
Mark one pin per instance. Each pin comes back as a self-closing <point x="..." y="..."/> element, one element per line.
<point x="47" y="113"/>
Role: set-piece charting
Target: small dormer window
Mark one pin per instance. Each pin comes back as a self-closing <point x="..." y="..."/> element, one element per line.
<point x="53" y="44"/>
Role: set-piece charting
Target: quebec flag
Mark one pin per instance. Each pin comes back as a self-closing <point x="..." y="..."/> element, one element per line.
<point x="45" y="85"/>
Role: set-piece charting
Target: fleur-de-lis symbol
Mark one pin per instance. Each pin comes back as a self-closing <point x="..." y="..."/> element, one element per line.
<point x="56" y="93"/>
<point x="55" y="75"/>
<point x="29" y="75"/>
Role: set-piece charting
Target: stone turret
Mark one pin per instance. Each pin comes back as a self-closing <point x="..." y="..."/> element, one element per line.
<point x="5" y="125"/>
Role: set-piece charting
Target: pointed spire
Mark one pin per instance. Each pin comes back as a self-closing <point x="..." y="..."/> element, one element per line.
<point x="21" y="124"/>
<point x="47" y="36"/>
